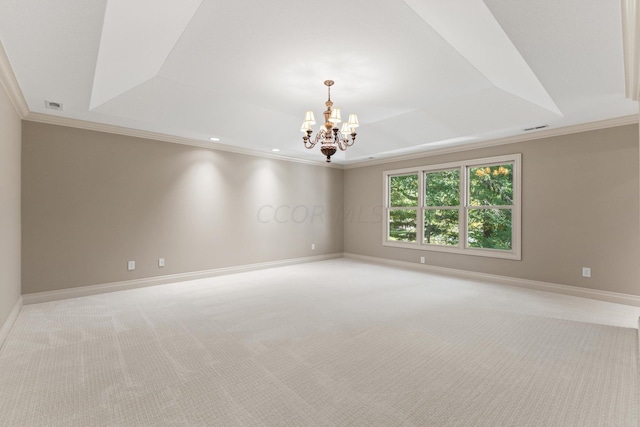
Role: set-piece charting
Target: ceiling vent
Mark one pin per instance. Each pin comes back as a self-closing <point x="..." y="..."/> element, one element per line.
<point x="53" y="105"/>
<point x="535" y="128"/>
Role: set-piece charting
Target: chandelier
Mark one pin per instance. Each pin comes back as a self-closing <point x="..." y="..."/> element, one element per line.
<point x="329" y="136"/>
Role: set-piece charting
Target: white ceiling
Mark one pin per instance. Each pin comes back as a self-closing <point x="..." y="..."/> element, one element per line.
<point x="420" y="74"/>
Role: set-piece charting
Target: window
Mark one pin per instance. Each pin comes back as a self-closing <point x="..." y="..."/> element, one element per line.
<point x="470" y="207"/>
<point x="403" y="202"/>
<point x="442" y="207"/>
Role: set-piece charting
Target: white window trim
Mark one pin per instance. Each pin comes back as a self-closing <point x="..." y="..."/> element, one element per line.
<point x="516" y="210"/>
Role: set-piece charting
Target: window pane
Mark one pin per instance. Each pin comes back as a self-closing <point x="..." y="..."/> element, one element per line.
<point x="490" y="228"/>
<point x="402" y="225"/>
<point x="442" y="188"/>
<point x="441" y="227"/>
<point x="404" y="190"/>
<point x="491" y="185"/>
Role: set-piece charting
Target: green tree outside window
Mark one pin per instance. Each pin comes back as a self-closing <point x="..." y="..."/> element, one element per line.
<point x="490" y="201"/>
<point x="403" y="200"/>
<point x="442" y="204"/>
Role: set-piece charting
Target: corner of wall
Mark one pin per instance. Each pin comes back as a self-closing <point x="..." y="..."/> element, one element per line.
<point x="12" y="108"/>
<point x="8" y="324"/>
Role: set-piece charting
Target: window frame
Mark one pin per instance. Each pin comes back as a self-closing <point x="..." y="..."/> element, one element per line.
<point x="463" y="211"/>
<point x="403" y="208"/>
<point x="423" y="206"/>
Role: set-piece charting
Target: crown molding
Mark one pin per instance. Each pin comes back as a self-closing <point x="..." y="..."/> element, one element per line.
<point x="156" y="136"/>
<point x="10" y="84"/>
<point x="546" y="133"/>
<point x="630" y="34"/>
<point x="9" y="81"/>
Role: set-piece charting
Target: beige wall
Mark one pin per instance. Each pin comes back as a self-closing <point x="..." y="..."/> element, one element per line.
<point x="579" y="208"/>
<point x="9" y="206"/>
<point x="92" y="201"/>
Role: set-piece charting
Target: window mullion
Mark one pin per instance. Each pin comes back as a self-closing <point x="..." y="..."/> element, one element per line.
<point x="387" y="202"/>
<point x="421" y="209"/>
<point x="464" y="203"/>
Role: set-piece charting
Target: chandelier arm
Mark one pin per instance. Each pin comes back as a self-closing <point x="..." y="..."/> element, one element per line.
<point x="337" y="139"/>
<point x="309" y="142"/>
<point x="340" y="141"/>
<point x="350" y="143"/>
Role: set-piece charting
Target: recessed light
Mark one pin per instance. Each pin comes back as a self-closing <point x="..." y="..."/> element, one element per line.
<point x="214" y="139"/>
<point x="275" y="150"/>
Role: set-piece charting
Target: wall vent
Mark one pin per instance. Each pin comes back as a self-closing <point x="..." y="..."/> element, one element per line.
<point x="535" y="128"/>
<point x="53" y="105"/>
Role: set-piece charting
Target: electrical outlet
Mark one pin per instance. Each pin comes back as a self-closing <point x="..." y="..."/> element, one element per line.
<point x="313" y="246"/>
<point x="586" y="271"/>
<point x="160" y="262"/>
<point x="131" y="265"/>
<point x="421" y="260"/>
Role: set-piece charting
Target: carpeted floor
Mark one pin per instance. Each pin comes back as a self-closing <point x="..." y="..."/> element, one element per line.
<point x="330" y="343"/>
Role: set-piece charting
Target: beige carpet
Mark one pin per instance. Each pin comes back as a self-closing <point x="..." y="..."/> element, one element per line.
<point x="330" y="343"/>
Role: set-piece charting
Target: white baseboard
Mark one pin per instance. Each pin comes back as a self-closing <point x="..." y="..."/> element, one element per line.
<point x="615" y="297"/>
<point x="8" y="324"/>
<point x="39" y="297"/>
<point x="82" y="291"/>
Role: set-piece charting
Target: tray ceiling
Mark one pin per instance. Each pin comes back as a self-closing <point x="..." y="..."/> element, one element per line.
<point x="421" y="74"/>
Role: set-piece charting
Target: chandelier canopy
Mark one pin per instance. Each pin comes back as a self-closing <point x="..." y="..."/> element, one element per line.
<point x="329" y="135"/>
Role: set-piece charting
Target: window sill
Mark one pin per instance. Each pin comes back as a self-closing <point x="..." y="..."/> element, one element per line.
<point x="489" y="253"/>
